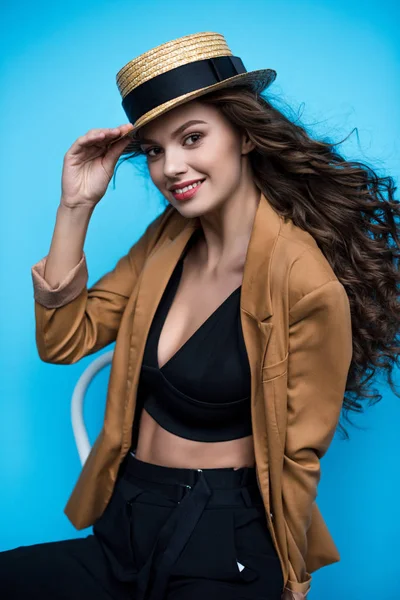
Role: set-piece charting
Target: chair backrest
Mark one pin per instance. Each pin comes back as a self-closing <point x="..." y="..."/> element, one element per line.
<point x="78" y="398"/>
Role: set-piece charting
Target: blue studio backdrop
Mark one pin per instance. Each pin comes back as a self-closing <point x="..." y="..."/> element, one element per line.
<point x="338" y="64"/>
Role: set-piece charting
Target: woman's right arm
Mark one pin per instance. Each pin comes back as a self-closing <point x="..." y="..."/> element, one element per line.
<point x="73" y="321"/>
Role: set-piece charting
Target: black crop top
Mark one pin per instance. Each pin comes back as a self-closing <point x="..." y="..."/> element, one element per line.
<point x="203" y="391"/>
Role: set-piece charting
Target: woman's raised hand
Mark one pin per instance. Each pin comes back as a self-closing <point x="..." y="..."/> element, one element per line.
<point x="89" y="165"/>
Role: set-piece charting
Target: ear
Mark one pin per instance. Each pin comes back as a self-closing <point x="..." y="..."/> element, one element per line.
<point x="247" y="145"/>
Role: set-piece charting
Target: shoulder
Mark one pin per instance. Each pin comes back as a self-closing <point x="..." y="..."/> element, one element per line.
<point x="306" y="267"/>
<point x="161" y="223"/>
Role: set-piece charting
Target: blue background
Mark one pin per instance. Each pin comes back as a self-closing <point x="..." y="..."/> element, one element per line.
<point x="339" y="63"/>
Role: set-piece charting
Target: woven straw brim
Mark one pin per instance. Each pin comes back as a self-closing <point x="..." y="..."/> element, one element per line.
<point x="258" y="81"/>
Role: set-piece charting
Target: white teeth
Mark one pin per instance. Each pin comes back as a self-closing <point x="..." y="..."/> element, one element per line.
<point x="188" y="187"/>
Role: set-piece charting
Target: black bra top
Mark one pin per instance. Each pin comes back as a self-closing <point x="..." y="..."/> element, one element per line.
<point x="203" y="391"/>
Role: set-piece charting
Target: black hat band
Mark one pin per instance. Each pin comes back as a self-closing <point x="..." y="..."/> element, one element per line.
<point x="179" y="81"/>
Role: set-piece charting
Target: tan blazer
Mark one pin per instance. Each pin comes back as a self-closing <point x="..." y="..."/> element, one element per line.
<point x="295" y="316"/>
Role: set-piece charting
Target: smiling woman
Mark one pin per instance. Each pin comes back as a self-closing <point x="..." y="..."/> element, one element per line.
<point x="240" y="317"/>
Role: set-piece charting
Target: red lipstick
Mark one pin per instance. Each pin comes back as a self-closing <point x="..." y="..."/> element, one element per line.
<point x="188" y="194"/>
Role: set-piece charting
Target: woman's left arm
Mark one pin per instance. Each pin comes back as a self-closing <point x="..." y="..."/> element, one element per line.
<point x="320" y="352"/>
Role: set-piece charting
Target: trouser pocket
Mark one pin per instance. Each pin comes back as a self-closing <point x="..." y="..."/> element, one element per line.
<point x="210" y="552"/>
<point x="253" y="547"/>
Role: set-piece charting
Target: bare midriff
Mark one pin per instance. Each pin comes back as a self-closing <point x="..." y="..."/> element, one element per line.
<point x="158" y="446"/>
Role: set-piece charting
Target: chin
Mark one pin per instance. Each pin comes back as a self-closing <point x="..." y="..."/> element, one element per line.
<point x="191" y="210"/>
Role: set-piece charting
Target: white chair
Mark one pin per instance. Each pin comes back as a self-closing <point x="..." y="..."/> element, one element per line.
<point x="78" y="397"/>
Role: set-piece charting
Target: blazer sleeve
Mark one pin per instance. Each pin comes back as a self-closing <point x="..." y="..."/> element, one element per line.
<point x="72" y="320"/>
<point x="320" y="352"/>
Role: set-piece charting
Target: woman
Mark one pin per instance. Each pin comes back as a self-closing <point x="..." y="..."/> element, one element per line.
<point x="240" y="317"/>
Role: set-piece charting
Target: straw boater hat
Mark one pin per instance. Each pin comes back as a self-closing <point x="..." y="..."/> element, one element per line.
<point x="178" y="71"/>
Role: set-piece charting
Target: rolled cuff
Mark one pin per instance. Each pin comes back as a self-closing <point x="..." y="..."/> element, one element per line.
<point x="67" y="290"/>
<point x="295" y="590"/>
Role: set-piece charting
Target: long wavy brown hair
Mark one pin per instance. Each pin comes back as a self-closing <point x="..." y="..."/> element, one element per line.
<point x="347" y="208"/>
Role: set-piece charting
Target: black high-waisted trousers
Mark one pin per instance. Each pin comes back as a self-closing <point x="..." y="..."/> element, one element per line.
<point x="166" y="533"/>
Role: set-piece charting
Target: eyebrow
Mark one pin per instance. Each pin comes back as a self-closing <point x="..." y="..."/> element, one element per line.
<point x="176" y="132"/>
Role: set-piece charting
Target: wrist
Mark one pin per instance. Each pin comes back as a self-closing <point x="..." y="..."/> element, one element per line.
<point x="78" y="211"/>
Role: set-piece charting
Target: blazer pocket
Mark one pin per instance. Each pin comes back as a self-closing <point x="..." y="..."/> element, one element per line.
<point x="275" y="370"/>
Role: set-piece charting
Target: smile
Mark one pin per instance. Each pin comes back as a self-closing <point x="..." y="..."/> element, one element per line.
<point x="187" y="192"/>
<point x="188" y="187"/>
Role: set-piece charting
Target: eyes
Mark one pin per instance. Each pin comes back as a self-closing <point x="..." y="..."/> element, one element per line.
<point x="192" y="135"/>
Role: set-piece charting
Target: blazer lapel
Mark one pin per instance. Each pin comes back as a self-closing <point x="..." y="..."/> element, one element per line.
<point x="155" y="276"/>
<point x="255" y="303"/>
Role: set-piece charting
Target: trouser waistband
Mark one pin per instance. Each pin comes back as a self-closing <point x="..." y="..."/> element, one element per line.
<point x="227" y="486"/>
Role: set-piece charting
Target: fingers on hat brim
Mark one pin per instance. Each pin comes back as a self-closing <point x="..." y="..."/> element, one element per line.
<point x="121" y="137"/>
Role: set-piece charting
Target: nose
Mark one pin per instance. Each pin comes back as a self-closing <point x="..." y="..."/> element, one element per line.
<point x="174" y="163"/>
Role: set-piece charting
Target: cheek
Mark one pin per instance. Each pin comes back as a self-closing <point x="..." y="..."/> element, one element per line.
<point x="214" y="160"/>
<point x="223" y="161"/>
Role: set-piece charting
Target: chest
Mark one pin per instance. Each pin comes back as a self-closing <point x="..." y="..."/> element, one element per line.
<point x="196" y="299"/>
